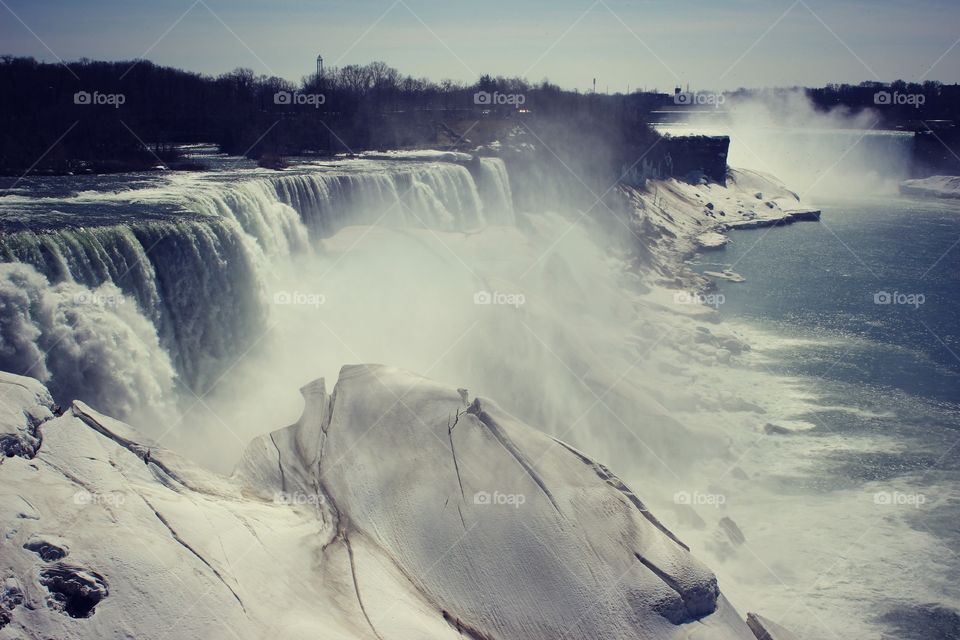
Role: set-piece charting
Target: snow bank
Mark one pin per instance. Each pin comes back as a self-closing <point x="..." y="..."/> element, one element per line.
<point x="432" y="155"/>
<point x="933" y="187"/>
<point x="677" y="219"/>
<point x="394" y="508"/>
<point x="712" y="240"/>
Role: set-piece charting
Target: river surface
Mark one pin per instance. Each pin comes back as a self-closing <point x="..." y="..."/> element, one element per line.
<point x="864" y="307"/>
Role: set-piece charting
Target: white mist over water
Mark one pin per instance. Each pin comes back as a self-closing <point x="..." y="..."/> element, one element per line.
<point x="551" y="340"/>
<point x="70" y="337"/>
<point x="817" y="153"/>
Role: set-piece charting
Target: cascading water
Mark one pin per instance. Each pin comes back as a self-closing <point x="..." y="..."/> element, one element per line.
<point x="191" y="264"/>
<point x="494" y="185"/>
<point x="196" y="282"/>
<point x="243" y="286"/>
<point x="438" y="195"/>
<point x="75" y="337"/>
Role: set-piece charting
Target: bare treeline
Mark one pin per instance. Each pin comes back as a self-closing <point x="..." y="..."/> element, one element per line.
<point x="105" y="116"/>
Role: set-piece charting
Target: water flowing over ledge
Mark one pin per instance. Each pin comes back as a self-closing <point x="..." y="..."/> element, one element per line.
<point x="191" y="262"/>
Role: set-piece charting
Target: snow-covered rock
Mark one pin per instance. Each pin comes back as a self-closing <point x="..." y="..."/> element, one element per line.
<point x="712" y="240"/>
<point x="431" y="155"/>
<point x="933" y="187"/>
<point x="694" y="217"/>
<point x="24" y="405"/>
<point x="395" y="507"/>
<point x="766" y="629"/>
<point x="726" y="274"/>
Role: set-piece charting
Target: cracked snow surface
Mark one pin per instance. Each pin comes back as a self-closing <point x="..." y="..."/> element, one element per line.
<point x="377" y="515"/>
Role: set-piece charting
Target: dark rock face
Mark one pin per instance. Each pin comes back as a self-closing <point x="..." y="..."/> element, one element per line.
<point x="11" y="597"/>
<point x="47" y="551"/>
<point x="73" y="590"/>
<point x="690" y="158"/>
<point x="932" y="153"/>
<point x="694" y="602"/>
<point x="24" y="442"/>
<point x="11" y="445"/>
<point x="733" y="532"/>
<point x="775" y="430"/>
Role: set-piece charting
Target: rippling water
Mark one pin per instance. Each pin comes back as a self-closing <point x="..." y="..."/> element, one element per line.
<point x="865" y="307"/>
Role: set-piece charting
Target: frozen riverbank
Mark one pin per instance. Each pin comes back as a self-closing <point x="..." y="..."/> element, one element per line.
<point x="456" y="520"/>
<point x="933" y="187"/>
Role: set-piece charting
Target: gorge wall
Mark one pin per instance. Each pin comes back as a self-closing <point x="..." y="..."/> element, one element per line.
<point x="685" y="158"/>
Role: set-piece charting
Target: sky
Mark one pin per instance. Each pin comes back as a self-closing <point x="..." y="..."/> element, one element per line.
<point x="625" y="45"/>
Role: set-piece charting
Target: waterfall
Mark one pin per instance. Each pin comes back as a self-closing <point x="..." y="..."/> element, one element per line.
<point x="495" y="187"/>
<point x="79" y="340"/>
<point x="161" y="292"/>
<point x="255" y="207"/>
<point x="197" y="282"/>
<point x="435" y="195"/>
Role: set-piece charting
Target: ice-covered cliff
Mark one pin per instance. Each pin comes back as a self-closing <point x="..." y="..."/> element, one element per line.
<point x="395" y="507"/>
